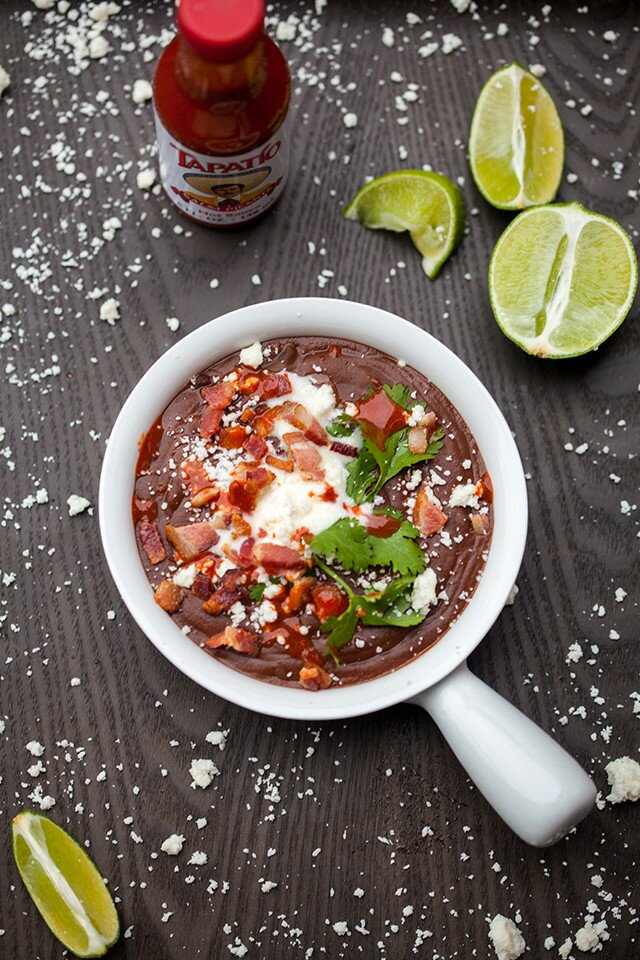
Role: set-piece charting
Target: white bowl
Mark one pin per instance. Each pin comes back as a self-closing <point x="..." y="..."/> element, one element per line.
<point x="402" y="340"/>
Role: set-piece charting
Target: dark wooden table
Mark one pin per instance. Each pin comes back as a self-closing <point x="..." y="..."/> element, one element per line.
<point x="323" y="809"/>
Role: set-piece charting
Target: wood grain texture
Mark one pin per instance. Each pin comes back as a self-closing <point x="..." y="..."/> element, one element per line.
<point x="334" y="817"/>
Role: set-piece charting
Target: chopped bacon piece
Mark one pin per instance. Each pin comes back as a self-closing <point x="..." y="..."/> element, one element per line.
<point x="231" y="590"/>
<point x="277" y="559"/>
<point x="198" y="483"/>
<point x="232" y="437"/>
<point x="237" y="639"/>
<point x="427" y="517"/>
<point x="274" y="385"/>
<point x="218" y="397"/>
<point x="255" y="446"/>
<point x="204" y="496"/>
<point x="480" y="524"/>
<point x="486" y="488"/>
<point x="380" y="416"/>
<point x="239" y="525"/>
<point x="247" y="415"/>
<point x="169" y="596"/>
<point x="243" y="557"/>
<point x="201" y="586"/>
<point x="306" y="455"/>
<point x="330" y="601"/>
<point x="250" y="383"/>
<point x="244" y="491"/>
<point x="382" y="525"/>
<point x="279" y="463"/>
<point x="314" y="678"/>
<point x="192" y="539"/>
<point x="344" y="448"/>
<point x="420" y="435"/>
<point x="298" y="594"/>
<point x="150" y="539"/>
<point x="298" y="416"/>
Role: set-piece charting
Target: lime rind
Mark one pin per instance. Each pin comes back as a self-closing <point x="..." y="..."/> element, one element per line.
<point x="516" y="141"/>
<point x="427" y="205"/>
<point x="65" y="885"/>
<point x="561" y="280"/>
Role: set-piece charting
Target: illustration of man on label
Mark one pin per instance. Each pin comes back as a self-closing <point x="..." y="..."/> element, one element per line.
<point x="229" y="191"/>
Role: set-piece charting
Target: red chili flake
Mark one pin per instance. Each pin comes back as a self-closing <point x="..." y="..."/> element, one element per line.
<point x="329" y="495"/>
<point x="150" y="539"/>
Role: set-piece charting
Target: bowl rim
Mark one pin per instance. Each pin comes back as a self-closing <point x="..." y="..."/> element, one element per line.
<point x="220" y="337"/>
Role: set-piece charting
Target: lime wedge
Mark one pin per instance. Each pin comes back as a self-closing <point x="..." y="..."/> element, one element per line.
<point x="64" y="885"/>
<point x="516" y="144"/>
<point x="562" y="279"/>
<point x="426" y="204"/>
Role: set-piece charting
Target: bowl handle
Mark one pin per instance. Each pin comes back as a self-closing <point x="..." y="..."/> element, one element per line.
<point x="536" y="787"/>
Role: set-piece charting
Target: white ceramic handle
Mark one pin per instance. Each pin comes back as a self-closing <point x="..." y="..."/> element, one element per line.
<point x="536" y="787"/>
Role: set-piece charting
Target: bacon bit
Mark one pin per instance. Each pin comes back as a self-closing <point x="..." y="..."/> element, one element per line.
<point x="306" y="455"/>
<point x="232" y="437"/>
<point x="280" y="464"/>
<point x="274" y="385"/>
<point x="255" y="446"/>
<point x="480" y="524"/>
<point x="427" y="517"/>
<point x="204" y="496"/>
<point x="330" y="601"/>
<point x="276" y="559"/>
<point x="250" y="383"/>
<point x="298" y="416"/>
<point x="344" y="448"/>
<point x="485" y="491"/>
<point x="298" y="594"/>
<point x="243" y="493"/>
<point x="329" y="495"/>
<point x="382" y="525"/>
<point x="239" y="525"/>
<point x="201" y="587"/>
<point x="380" y="416"/>
<point x="150" y="540"/>
<point x="230" y="591"/>
<point x="192" y="539"/>
<point x="245" y="553"/>
<point x="420" y="435"/>
<point x="240" y="640"/>
<point x="314" y="678"/>
<point x="218" y="397"/>
<point x="169" y="596"/>
<point x="247" y="415"/>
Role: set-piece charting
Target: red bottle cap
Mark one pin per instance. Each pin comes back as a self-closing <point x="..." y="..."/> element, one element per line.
<point x="221" y="29"/>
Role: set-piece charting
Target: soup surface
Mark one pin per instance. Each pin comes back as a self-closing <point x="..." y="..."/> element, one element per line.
<point x="313" y="513"/>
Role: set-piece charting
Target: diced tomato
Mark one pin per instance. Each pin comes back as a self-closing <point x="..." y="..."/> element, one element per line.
<point x="192" y="539"/>
<point x="150" y="540"/>
<point x="427" y="516"/>
<point x="274" y="385"/>
<point x="306" y="455"/>
<point x="314" y="678"/>
<point x="232" y="437"/>
<point x="380" y="416"/>
<point x="330" y="601"/>
<point x="277" y="559"/>
<point x="169" y="596"/>
<point x="236" y="639"/>
<point x="381" y="525"/>
<point x="255" y="446"/>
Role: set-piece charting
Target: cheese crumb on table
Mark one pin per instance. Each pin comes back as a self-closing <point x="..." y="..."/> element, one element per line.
<point x="142" y="91"/>
<point x="202" y="773"/>
<point x="624" y="779"/>
<point x="77" y="504"/>
<point x="146" y="178"/>
<point x="110" y="311"/>
<point x="173" y="845"/>
<point x="5" y="80"/>
<point x="507" y="940"/>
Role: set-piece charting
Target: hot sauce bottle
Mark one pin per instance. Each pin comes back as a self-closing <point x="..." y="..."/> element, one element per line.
<point x="221" y="93"/>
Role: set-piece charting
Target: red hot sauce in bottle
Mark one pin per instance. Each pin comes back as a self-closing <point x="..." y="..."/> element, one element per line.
<point x="221" y="93"/>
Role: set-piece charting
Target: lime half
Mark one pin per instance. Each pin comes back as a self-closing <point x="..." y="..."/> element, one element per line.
<point x="516" y="144"/>
<point x="562" y="279"/>
<point x="426" y="204"/>
<point x="65" y="885"/>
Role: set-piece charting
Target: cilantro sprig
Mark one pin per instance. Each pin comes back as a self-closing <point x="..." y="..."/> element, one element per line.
<point x="389" y="607"/>
<point x="373" y="467"/>
<point x="350" y="544"/>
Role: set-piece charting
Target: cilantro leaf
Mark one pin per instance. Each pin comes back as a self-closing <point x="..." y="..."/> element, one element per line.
<point x="341" y="629"/>
<point x="372" y="468"/>
<point x="342" y="426"/>
<point x="256" y="591"/>
<point x="399" y="550"/>
<point x="398" y="393"/>
<point x="362" y="475"/>
<point x="345" y="541"/>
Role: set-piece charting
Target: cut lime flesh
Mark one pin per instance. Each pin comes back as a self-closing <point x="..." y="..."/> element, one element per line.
<point x="516" y="143"/>
<point x="562" y="279"/>
<point x="427" y="205"/>
<point x="65" y="885"/>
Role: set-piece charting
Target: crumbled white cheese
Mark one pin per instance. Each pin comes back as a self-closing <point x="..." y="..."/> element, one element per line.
<point x="350" y="120"/>
<point x="142" y="91"/>
<point x="417" y="414"/>
<point x="340" y="927"/>
<point x="589" y="936"/>
<point x="319" y="401"/>
<point x="173" y="845"/>
<point x="5" y="80"/>
<point x="98" y="47"/>
<point x="507" y="940"/>
<point x="423" y="592"/>
<point x="252" y="356"/>
<point x="268" y="885"/>
<point x="110" y="311"/>
<point x="464" y="495"/>
<point x="624" y="779"/>
<point x="198" y="858"/>
<point x="77" y="504"/>
<point x="202" y="773"/>
<point x="173" y="323"/>
<point x="185" y="576"/>
<point x="146" y="178"/>
<point x="35" y="748"/>
<point x="218" y="738"/>
<point x="574" y="653"/>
